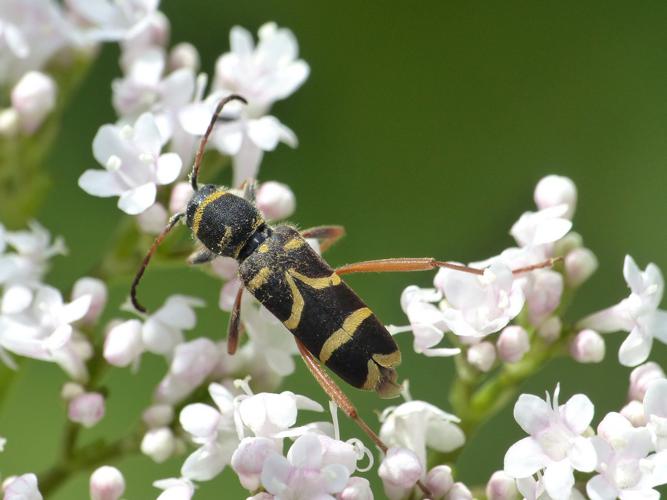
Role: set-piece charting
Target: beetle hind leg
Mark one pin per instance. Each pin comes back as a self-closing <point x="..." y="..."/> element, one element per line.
<point x="326" y="235"/>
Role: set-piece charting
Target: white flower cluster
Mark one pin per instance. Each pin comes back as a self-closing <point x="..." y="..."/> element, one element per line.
<point x="161" y="105"/>
<point x="626" y="458"/>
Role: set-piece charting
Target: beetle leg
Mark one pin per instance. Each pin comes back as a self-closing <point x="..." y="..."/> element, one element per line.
<point x="342" y="401"/>
<point x="201" y="256"/>
<point x="234" y="328"/>
<point x="327" y="235"/>
<point x="423" y="264"/>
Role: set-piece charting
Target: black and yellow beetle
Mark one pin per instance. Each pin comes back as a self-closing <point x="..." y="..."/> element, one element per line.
<point x="276" y="265"/>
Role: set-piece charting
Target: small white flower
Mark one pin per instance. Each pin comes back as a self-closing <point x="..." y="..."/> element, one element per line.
<point x="22" y="488"/>
<point x="133" y="163"/>
<point x="33" y="98"/>
<point x="439" y="480"/>
<point x="159" y="444"/>
<point x="540" y="228"/>
<point x="264" y="73"/>
<point x="86" y="409"/>
<point x="637" y="314"/>
<point x="114" y="21"/>
<point x="163" y="330"/>
<point x="580" y="264"/>
<point x="418" y="425"/>
<point x="587" y="347"/>
<point x="556" y="444"/>
<point x="479" y="305"/>
<point x="97" y="290"/>
<point x="625" y="469"/>
<point x="303" y="475"/>
<point x="106" y="483"/>
<point x="655" y="411"/>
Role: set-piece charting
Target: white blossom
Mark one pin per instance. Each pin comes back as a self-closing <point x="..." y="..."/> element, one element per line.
<point x="556" y="444"/>
<point x="642" y="377"/>
<point x="554" y="190"/>
<point x="637" y="314"/>
<point x="540" y="228"/>
<point x="22" y="488"/>
<point x="133" y="162"/>
<point x="159" y="444"/>
<point x="400" y="470"/>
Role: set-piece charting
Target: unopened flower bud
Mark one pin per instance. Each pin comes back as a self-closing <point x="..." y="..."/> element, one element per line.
<point x="357" y="488"/>
<point x="71" y="390"/>
<point x="184" y="55"/>
<point x="86" y="409"/>
<point x="641" y="378"/>
<point x="587" y="347"/>
<point x="439" y="481"/>
<point x="159" y="415"/>
<point x="544" y="295"/>
<point x="158" y="444"/>
<point x="275" y="200"/>
<point x="180" y="196"/>
<point x="97" y="290"/>
<point x="580" y="264"/>
<point x="634" y="412"/>
<point x="9" y="122"/>
<point x="501" y="487"/>
<point x="555" y="190"/>
<point x="21" y="488"/>
<point x="482" y="356"/>
<point x="33" y="98"/>
<point x="550" y="329"/>
<point x="513" y="343"/>
<point x="400" y="470"/>
<point x="459" y="491"/>
<point x="153" y="219"/>
<point x="106" y="483"/>
<point x="123" y="343"/>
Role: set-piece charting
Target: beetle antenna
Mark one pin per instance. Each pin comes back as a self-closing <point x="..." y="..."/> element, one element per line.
<point x="137" y="277"/>
<point x="204" y="140"/>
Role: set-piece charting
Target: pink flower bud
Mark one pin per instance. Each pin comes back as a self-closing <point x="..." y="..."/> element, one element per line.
<point x="180" y="196"/>
<point x="106" y="483"/>
<point x="97" y="290"/>
<point x="357" y="488"/>
<point x="641" y="378"/>
<point x="634" y="412"/>
<point x="248" y="460"/>
<point x="501" y="487"/>
<point x="400" y="470"/>
<point x="158" y="444"/>
<point x="153" y="219"/>
<point x="550" y="329"/>
<point x="33" y="98"/>
<point x="123" y="344"/>
<point x="555" y="190"/>
<point x="275" y="200"/>
<point x="580" y="264"/>
<point x="544" y="294"/>
<point x="86" y="409"/>
<point x="184" y="55"/>
<point x="21" y="488"/>
<point x="439" y="480"/>
<point x="158" y="415"/>
<point x="513" y="343"/>
<point x="459" y="491"/>
<point x="482" y="355"/>
<point x="587" y="347"/>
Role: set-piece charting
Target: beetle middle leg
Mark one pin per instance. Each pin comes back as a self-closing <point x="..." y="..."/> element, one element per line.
<point x="342" y="401"/>
<point x="201" y="256"/>
<point x="234" y="328"/>
<point x="326" y="235"/>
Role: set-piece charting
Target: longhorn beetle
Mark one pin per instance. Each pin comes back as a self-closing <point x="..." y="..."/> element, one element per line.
<point x="331" y="324"/>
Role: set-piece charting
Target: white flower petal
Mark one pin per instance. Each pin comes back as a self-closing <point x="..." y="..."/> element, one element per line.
<point x="200" y="420"/>
<point x="524" y="458"/>
<point x="533" y="414"/>
<point x="168" y="168"/>
<point x="100" y="183"/>
<point x="578" y="413"/>
<point x="582" y="455"/>
<point x="559" y="479"/>
<point x="137" y="200"/>
<point x="635" y="349"/>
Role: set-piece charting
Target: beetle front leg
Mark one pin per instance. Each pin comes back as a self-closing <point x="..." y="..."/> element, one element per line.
<point x="201" y="256"/>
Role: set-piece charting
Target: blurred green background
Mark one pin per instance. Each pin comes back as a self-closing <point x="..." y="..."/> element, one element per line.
<point x="423" y="129"/>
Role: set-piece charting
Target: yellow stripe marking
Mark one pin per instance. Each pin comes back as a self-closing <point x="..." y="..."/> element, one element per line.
<point x="344" y="334"/>
<point x="202" y="206"/>
<point x="297" y="304"/>
<point x="294" y="243"/>
<point x="259" y="279"/>
<point x="388" y="360"/>
<point x="263" y="248"/>
<point x="317" y="283"/>
<point x="373" y="377"/>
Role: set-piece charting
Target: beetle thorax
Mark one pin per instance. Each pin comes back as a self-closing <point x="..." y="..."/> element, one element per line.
<point x="221" y="220"/>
